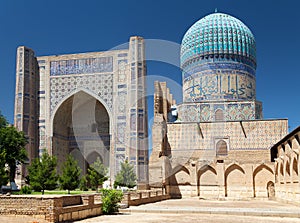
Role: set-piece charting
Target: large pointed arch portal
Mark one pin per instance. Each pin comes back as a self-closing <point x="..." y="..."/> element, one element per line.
<point x="81" y="127"/>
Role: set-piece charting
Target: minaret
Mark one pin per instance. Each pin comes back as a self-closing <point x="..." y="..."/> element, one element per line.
<point x="26" y="100"/>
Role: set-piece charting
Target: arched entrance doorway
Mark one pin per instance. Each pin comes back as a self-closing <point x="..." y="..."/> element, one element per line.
<point x="81" y="128"/>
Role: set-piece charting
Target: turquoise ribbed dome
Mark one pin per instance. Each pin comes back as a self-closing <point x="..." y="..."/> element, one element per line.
<point x="218" y="35"/>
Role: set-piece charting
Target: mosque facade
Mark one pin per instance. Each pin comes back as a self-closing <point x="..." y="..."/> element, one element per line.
<point x="88" y="105"/>
<point x="219" y="145"/>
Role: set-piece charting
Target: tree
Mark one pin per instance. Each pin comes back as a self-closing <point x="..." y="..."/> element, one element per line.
<point x="70" y="178"/>
<point x="42" y="173"/>
<point x="83" y="183"/>
<point x="3" y="121"/>
<point x="3" y="173"/>
<point x="12" y="142"/>
<point x="126" y="177"/>
<point x="97" y="174"/>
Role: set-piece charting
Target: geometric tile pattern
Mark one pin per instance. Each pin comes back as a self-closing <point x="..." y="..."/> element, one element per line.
<point x="260" y="135"/>
<point x="99" y="84"/>
<point x="206" y="112"/>
<point x="217" y="33"/>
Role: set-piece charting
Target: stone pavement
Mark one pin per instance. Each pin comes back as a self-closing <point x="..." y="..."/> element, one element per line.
<point x="193" y="210"/>
<point x="196" y="206"/>
<point x="203" y="211"/>
<point x="186" y="218"/>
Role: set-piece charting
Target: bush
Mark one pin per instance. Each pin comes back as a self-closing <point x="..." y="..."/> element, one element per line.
<point x="25" y="190"/>
<point x="110" y="200"/>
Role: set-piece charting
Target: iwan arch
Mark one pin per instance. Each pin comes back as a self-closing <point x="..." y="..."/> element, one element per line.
<point x="72" y="135"/>
<point x="89" y="105"/>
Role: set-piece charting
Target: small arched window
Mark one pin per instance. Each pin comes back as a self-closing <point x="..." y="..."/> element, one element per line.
<point x="221" y="148"/>
<point x="219" y="115"/>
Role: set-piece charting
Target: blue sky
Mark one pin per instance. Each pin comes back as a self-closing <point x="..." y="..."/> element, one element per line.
<point x="73" y="26"/>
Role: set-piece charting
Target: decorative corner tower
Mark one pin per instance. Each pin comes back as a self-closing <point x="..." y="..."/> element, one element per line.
<point x="137" y="151"/>
<point x="26" y="101"/>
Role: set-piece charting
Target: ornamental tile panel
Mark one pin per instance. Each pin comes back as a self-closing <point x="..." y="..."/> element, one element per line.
<point x="101" y="85"/>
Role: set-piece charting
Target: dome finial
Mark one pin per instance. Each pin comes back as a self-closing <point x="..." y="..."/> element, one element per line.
<point x="216" y="10"/>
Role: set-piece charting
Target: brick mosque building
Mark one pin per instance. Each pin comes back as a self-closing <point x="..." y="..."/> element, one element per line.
<point x="219" y="145"/>
<point x="215" y="144"/>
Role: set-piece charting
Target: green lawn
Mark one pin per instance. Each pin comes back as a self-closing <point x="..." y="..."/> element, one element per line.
<point x="57" y="192"/>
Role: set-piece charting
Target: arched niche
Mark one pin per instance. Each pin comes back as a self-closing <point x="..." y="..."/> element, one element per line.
<point x="81" y="123"/>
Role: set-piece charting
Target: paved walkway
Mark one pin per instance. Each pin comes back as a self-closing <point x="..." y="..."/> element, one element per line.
<point x="186" y="218"/>
<point x="193" y="210"/>
<point x="196" y="206"/>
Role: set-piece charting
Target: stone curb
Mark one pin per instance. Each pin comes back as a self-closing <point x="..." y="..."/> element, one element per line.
<point x="213" y="212"/>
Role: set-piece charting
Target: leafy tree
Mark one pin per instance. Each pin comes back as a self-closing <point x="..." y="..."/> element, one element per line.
<point x="126" y="177"/>
<point x="83" y="183"/>
<point x="13" y="144"/>
<point x="110" y="200"/>
<point x="3" y="173"/>
<point x="42" y="173"/>
<point x="70" y="178"/>
<point x="3" y="121"/>
<point x="97" y="174"/>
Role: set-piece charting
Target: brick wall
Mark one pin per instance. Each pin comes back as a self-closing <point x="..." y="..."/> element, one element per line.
<point x="144" y="197"/>
<point x="50" y="208"/>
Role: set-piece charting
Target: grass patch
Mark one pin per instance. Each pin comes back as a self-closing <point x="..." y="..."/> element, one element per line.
<point x="63" y="192"/>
